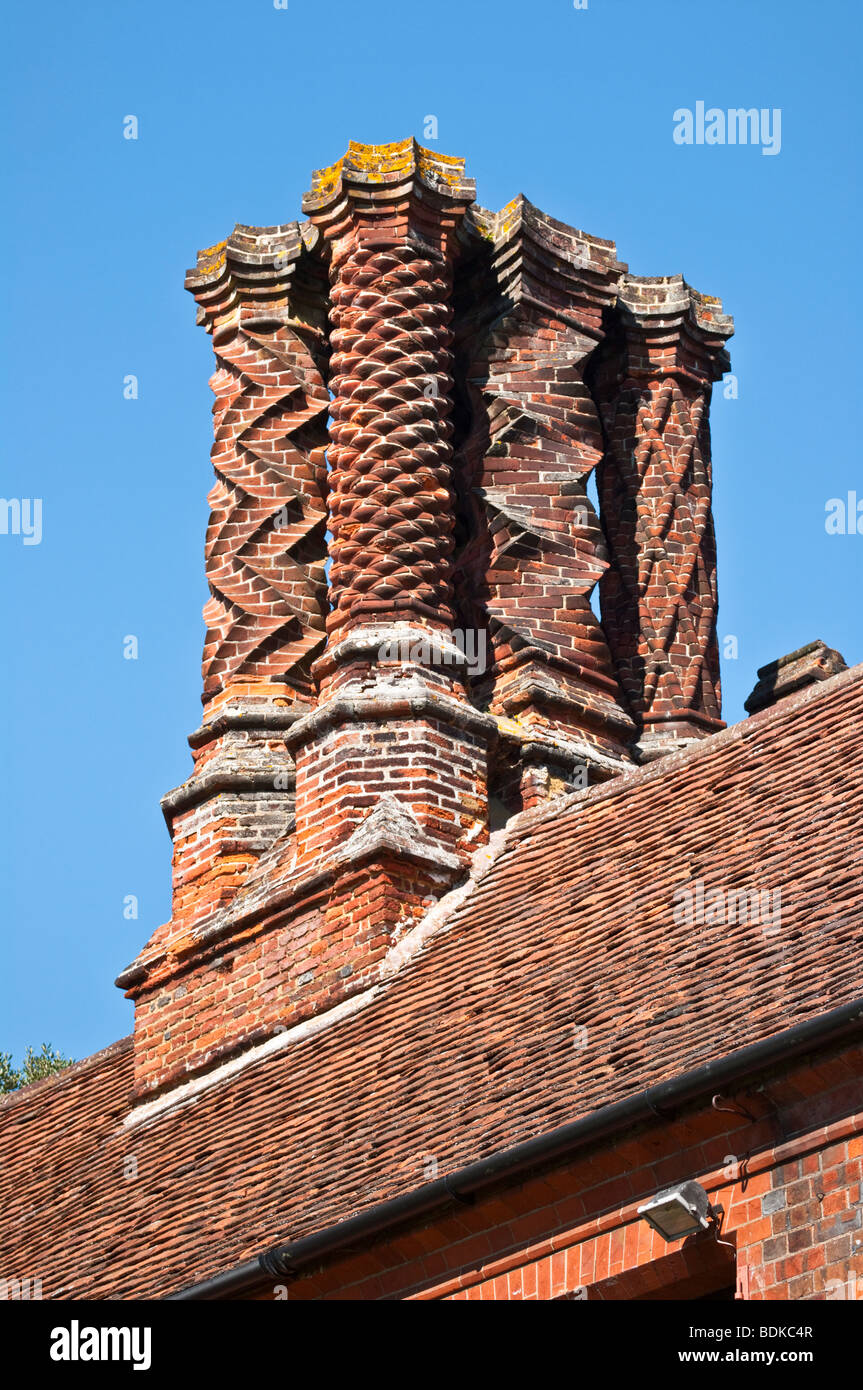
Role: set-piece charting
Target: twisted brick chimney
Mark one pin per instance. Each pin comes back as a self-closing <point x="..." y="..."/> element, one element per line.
<point x="532" y="297"/>
<point x="659" y="597"/>
<point x="417" y="391"/>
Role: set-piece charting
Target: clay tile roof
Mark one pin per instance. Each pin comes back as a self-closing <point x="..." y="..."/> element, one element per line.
<point x="472" y="1047"/>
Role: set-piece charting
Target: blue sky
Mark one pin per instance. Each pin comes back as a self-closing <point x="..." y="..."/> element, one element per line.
<point x="237" y="102"/>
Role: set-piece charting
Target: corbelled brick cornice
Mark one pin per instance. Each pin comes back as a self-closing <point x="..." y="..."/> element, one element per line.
<point x="382" y="187"/>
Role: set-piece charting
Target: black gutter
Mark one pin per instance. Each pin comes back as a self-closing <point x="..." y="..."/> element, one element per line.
<point x="282" y="1262"/>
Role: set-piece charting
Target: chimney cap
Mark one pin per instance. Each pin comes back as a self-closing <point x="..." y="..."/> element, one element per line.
<point x="778" y="679"/>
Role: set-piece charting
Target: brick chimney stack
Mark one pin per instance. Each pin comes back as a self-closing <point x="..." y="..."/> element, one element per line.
<point x="418" y="390"/>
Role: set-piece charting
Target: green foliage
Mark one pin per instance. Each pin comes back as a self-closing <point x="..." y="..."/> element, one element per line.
<point x="8" y="1074"/>
<point x="46" y="1062"/>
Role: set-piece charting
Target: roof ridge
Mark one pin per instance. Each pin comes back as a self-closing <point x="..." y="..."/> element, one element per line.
<point x="692" y="753"/>
<point x="68" y="1074"/>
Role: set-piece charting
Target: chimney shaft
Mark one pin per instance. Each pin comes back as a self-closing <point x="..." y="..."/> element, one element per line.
<point x="659" y="595"/>
<point x="262" y="298"/>
<point x="532" y="299"/>
<point x="393" y="717"/>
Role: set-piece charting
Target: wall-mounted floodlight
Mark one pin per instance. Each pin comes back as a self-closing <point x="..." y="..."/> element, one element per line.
<point x="680" y="1211"/>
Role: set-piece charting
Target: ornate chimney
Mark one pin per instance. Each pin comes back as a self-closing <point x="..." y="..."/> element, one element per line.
<point x="418" y="391"/>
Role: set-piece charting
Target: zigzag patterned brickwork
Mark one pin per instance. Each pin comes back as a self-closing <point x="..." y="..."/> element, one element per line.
<point x="390" y="495"/>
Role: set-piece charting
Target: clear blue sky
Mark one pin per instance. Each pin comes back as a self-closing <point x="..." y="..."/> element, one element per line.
<point x="237" y="103"/>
